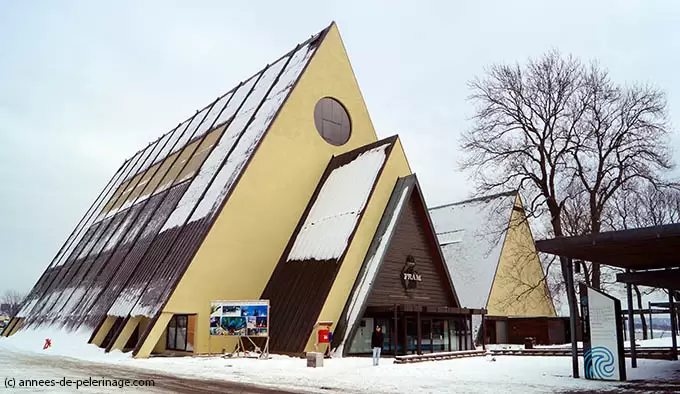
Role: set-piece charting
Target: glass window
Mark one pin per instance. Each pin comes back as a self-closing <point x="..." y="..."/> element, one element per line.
<point x="177" y="333"/>
<point x="361" y="343"/>
<point x="385" y="325"/>
<point x="440" y="335"/>
<point x="426" y="333"/>
<point x="332" y="121"/>
<point x="172" y="331"/>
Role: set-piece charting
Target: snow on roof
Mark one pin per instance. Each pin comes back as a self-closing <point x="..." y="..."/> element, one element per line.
<point x="471" y="235"/>
<point x="229" y="157"/>
<point x="253" y="108"/>
<point x="329" y="224"/>
<point x="253" y="133"/>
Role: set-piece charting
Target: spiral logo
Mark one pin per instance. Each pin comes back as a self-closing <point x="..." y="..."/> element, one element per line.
<point x="599" y="363"/>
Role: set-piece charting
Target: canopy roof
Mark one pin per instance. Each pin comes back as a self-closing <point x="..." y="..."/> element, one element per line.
<point x="649" y="249"/>
<point x="638" y="249"/>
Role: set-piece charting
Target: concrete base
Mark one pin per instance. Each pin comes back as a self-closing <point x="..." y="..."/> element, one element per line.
<point x="314" y="359"/>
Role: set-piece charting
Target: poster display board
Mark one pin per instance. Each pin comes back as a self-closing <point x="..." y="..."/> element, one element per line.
<point x="239" y="318"/>
<point x="602" y="325"/>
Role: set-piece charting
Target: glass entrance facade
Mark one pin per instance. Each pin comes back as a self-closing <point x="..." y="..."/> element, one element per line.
<point x="436" y="334"/>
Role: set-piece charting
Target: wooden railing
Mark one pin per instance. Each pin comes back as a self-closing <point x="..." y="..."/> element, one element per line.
<point x="657" y="353"/>
<point x="416" y="358"/>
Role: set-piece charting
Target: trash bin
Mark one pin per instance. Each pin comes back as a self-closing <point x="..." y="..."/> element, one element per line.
<point x="529" y="343"/>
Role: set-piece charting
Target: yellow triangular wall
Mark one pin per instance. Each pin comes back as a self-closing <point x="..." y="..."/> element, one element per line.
<point x="519" y="288"/>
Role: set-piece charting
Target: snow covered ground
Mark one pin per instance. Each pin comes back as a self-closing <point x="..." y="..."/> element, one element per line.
<point x="507" y="374"/>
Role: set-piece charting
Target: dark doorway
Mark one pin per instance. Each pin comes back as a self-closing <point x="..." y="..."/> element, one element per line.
<point x="426" y="340"/>
<point x="411" y="335"/>
<point x="181" y="333"/>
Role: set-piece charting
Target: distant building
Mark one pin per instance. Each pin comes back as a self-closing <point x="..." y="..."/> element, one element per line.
<point x="5" y="309"/>
<point x="489" y="249"/>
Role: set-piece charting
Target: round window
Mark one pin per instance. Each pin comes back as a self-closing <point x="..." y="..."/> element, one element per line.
<point x="332" y="121"/>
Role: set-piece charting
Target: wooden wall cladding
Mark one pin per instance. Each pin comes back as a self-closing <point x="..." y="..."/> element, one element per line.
<point x="411" y="238"/>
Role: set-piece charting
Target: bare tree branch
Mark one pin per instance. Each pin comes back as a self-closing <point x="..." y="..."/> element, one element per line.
<point x="571" y="140"/>
<point x="12" y="301"/>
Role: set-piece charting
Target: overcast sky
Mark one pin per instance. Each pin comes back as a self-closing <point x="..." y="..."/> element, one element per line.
<point x="84" y="85"/>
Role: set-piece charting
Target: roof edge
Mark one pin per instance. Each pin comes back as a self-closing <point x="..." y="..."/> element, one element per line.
<point x="478" y="199"/>
<point x="314" y="37"/>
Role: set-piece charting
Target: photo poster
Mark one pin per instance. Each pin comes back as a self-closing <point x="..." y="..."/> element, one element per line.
<point x="603" y="351"/>
<point x="239" y="318"/>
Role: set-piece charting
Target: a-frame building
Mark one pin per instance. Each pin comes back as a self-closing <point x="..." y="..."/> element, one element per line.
<point x="489" y="248"/>
<point x="274" y="190"/>
<point x="405" y="286"/>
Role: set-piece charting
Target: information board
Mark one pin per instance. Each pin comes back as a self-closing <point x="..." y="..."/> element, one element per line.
<point x="602" y="325"/>
<point x="240" y="318"/>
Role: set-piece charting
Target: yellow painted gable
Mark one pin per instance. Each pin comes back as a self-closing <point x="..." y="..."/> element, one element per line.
<point x="244" y="245"/>
<point x="519" y="288"/>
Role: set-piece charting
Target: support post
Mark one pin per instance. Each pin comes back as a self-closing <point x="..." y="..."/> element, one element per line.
<point x="631" y="324"/>
<point x="625" y="330"/>
<point x="573" y="314"/>
<point x="651" y="326"/>
<point x="472" y="335"/>
<point x="448" y="333"/>
<point x="483" y="331"/>
<point x="674" y="327"/>
<point x="395" y="335"/>
<point x="420" y="333"/>
<point x="465" y="333"/>
<point x="404" y="337"/>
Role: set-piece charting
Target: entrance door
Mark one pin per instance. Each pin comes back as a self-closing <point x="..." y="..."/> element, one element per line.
<point x="361" y="343"/>
<point x="440" y="335"/>
<point x="426" y="331"/>
<point x="411" y="335"/>
<point x="501" y="331"/>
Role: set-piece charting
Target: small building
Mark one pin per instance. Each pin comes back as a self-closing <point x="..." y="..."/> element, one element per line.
<point x="279" y="190"/>
<point x="489" y="250"/>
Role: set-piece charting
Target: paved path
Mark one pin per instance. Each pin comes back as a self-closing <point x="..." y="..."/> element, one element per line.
<point x="639" y="386"/>
<point x="21" y="366"/>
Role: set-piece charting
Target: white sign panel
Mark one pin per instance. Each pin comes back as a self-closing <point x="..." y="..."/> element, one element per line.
<point x="603" y="345"/>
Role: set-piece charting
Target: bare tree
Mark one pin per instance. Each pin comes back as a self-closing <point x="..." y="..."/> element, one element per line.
<point x="622" y="138"/>
<point x="13" y="300"/>
<point x="568" y="137"/>
<point x="523" y="127"/>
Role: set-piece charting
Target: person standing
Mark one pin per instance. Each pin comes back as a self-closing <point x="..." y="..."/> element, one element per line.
<point x="377" y="340"/>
